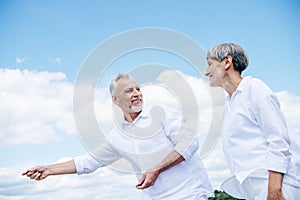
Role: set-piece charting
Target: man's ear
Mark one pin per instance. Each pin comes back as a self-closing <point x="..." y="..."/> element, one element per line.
<point x="228" y="62"/>
<point x="115" y="100"/>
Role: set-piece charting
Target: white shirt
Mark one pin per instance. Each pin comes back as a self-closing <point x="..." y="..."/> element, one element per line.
<point x="255" y="136"/>
<point x="144" y="149"/>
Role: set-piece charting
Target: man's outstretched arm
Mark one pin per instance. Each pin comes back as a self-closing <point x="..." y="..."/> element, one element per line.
<point x="41" y="172"/>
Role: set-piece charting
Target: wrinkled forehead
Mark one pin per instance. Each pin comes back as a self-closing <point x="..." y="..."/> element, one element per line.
<point x="125" y="83"/>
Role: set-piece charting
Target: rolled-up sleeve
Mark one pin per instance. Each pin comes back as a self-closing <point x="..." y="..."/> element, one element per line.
<point x="86" y="164"/>
<point x="184" y="140"/>
<point x="101" y="156"/>
<point x="274" y="126"/>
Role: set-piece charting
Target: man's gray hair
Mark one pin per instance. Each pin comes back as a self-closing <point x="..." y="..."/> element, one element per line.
<point x="221" y="51"/>
<point x="114" y="81"/>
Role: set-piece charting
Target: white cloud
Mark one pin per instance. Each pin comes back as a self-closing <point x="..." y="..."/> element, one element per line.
<point x="102" y="184"/>
<point x="20" y="60"/>
<point x="290" y="104"/>
<point x="36" y="106"/>
<point x="58" y="60"/>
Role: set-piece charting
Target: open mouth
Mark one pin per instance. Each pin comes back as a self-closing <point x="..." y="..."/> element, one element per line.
<point x="135" y="102"/>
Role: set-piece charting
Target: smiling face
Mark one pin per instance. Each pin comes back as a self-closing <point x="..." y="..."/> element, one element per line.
<point x="215" y="71"/>
<point x="128" y="96"/>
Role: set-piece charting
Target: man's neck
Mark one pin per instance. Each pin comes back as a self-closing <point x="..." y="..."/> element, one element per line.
<point x="130" y="117"/>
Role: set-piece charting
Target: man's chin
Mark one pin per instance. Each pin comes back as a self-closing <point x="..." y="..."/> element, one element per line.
<point x="136" y="109"/>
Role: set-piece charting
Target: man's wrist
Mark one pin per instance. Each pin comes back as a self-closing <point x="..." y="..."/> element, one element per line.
<point x="275" y="181"/>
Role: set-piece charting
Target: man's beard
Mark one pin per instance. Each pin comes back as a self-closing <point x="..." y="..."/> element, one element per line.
<point x="135" y="109"/>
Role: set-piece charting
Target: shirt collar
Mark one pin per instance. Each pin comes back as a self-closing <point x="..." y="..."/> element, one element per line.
<point x="144" y="114"/>
<point x="243" y="84"/>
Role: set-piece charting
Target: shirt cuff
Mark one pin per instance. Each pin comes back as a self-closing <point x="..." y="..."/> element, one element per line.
<point x="86" y="164"/>
<point x="278" y="165"/>
<point x="187" y="150"/>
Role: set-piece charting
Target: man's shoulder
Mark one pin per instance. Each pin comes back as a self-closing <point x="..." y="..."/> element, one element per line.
<point x="168" y="110"/>
<point x="163" y="113"/>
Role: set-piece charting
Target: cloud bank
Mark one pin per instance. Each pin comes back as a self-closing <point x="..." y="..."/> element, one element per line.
<point x="36" y="108"/>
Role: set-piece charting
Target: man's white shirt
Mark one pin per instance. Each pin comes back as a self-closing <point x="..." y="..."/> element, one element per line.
<point x="144" y="143"/>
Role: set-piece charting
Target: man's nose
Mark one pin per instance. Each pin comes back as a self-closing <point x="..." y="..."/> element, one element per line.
<point x="136" y="92"/>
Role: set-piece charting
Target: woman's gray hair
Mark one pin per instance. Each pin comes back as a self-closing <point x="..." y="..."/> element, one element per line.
<point x="221" y="51"/>
<point x="114" y="81"/>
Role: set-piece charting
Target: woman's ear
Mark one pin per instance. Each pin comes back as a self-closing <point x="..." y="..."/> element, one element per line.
<point x="228" y="62"/>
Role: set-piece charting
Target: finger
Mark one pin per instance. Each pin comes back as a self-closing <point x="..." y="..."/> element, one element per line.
<point x="25" y="172"/>
<point x="34" y="175"/>
<point x="43" y="176"/>
<point x="145" y="184"/>
<point x="141" y="185"/>
<point x="38" y="176"/>
<point x="29" y="173"/>
<point x="141" y="181"/>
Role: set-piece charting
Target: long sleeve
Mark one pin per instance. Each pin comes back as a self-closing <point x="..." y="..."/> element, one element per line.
<point x="185" y="141"/>
<point x="103" y="155"/>
<point x="86" y="164"/>
<point x="275" y="129"/>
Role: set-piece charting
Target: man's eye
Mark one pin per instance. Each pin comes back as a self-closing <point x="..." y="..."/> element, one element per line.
<point x="128" y="91"/>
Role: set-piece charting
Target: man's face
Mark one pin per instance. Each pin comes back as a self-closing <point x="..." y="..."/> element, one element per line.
<point x="215" y="71"/>
<point x="128" y="96"/>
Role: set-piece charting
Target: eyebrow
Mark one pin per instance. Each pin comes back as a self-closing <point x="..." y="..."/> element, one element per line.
<point x="131" y="88"/>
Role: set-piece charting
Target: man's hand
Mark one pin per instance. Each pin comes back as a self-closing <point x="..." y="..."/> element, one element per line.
<point x="275" y="185"/>
<point x="41" y="172"/>
<point x="148" y="179"/>
<point x="37" y="173"/>
<point x="275" y="195"/>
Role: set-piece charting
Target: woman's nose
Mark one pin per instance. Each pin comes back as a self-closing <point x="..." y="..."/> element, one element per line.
<point x="206" y="73"/>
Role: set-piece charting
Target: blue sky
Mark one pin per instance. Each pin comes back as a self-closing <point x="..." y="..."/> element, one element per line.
<point x="44" y="43"/>
<point x="43" y="31"/>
